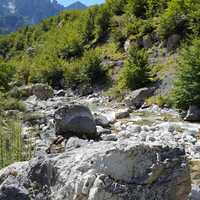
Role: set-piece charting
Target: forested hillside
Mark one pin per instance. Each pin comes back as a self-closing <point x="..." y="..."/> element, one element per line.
<point x="73" y="45"/>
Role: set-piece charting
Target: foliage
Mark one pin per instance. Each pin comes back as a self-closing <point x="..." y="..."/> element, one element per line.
<point x="187" y="87"/>
<point x="12" y="148"/>
<point x="174" y="19"/>
<point x="159" y="100"/>
<point x="7" y="73"/>
<point x="9" y="103"/>
<point x="135" y="73"/>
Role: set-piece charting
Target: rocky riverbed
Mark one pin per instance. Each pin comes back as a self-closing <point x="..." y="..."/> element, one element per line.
<point x="142" y="154"/>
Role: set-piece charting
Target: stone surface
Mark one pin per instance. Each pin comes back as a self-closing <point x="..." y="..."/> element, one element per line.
<point x="75" y="120"/>
<point x="105" y="171"/>
<point x="101" y="130"/>
<point x="122" y="113"/>
<point x="41" y="91"/>
<point x="137" y="97"/>
<point x="173" y="41"/>
<point x="147" y="42"/>
<point x="59" y="93"/>
<point x="193" y="114"/>
<point x="101" y="121"/>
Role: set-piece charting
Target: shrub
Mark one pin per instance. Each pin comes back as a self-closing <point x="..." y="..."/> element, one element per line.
<point x="116" y="6"/>
<point x="160" y="101"/>
<point x="92" y="67"/>
<point x="137" y="8"/>
<point x="12" y="148"/>
<point x="174" y="19"/>
<point x="10" y="103"/>
<point x="102" y="23"/>
<point x="187" y="86"/>
<point x="7" y="73"/>
<point x="135" y="73"/>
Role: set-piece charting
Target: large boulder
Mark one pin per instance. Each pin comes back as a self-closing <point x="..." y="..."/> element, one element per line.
<point x="193" y="114"/>
<point x="41" y="91"/>
<point x="75" y="120"/>
<point x="137" y="97"/>
<point x="173" y="41"/>
<point x="108" y="170"/>
<point x="101" y="120"/>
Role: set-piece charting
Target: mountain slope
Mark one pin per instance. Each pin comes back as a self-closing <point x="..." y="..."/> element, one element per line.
<point x="16" y="13"/>
<point x="76" y="6"/>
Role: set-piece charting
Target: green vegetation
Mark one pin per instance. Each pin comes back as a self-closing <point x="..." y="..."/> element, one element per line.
<point x="12" y="147"/>
<point x="135" y="73"/>
<point x="187" y="87"/>
<point x="72" y="45"/>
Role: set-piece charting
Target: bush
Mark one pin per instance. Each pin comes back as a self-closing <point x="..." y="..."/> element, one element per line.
<point x="135" y="73"/>
<point x="86" y="70"/>
<point x="159" y="100"/>
<point x="12" y="147"/>
<point x="102" y="23"/>
<point x="116" y="6"/>
<point x="174" y="19"/>
<point x="187" y="86"/>
<point x="9" y="103"/>
<point x="92" y="67"/>
<point x="7" y="73"/>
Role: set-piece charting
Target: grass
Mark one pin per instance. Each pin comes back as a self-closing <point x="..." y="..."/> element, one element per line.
<point x="12" y="148"/>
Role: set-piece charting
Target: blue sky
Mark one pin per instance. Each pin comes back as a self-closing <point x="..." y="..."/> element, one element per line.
<point x="86" y="2"/>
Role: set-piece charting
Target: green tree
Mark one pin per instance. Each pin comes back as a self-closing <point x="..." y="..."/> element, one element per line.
<point x="187" y="87"/>
<point x="174" y="19"/>
<point x="135" y="73"/>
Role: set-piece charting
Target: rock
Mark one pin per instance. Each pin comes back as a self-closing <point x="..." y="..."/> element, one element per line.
<point x="127" y="45"/>
<point x="13" y="192"/>
<point x="123" y="113"/>
<point x="173" y="41"/>
<point x="102" y="131"/>
<point x="193" y="114"/>
<point x="101" y="120"/>
<point x="147" y="42"/>
<point x="108" y="170"/>
<point x="110" y="137"/>
<point x="74" y="143"/>
<point x="137" y="97"/>
<point x="83" y="90"/>
<point x="134" y="128"/>
<point x="59" y="93"/>
<point x="75" y="120"/>
<point x="41" y="91"/>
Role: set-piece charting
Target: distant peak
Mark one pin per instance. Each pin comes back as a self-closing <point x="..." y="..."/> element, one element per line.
<point x="76" y="6"/>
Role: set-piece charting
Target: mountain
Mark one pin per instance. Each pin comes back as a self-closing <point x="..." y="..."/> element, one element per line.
<point x="16" y="13"/>
<point x="76" y="6"/>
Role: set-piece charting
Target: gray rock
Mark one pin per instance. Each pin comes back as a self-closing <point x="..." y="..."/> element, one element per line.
<point x="147" y="42"/>
<point x="173" y="41"/>
<point x="193" y="114"/>
<point x="110" y="137"/>
<point x="137" y="97"/>
<point x="74" y="143"/>
<point x="75" y="120"/>
<point x="109" y="171"/>
<point x="101" y="131"/>
<point x="59" y="93"/>
<point x="13" y="192"/>
<point x="101" y="121"/>
<point x="41" y="91"/>
<point x="84" y="90"/>
<point x="122" y="113"/>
